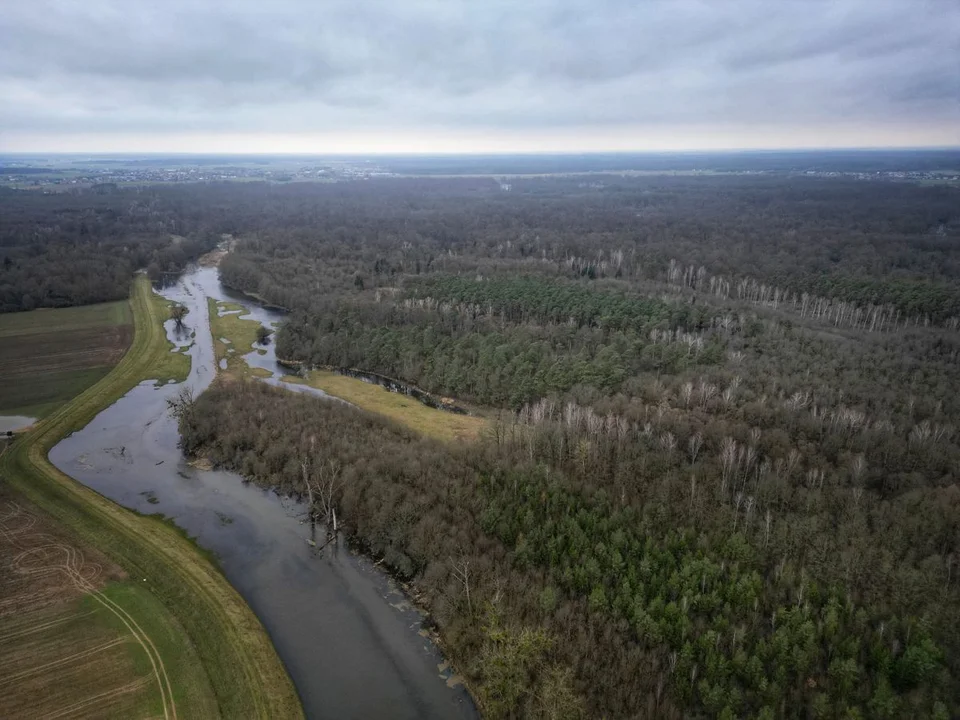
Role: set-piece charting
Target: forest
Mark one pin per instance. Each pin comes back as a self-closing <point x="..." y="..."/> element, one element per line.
<point x="63" y="249"/>
<point x="721" y="477"/>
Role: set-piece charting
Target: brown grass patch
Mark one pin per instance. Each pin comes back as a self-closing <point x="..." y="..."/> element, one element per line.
<point x="406" y="410"/>
<point x="32" y="549"/>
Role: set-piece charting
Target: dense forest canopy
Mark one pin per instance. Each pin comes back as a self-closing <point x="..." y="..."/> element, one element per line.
<point x="722" y="478"/>
<point x="728" y="469"/>
<point x="60" y="249"/>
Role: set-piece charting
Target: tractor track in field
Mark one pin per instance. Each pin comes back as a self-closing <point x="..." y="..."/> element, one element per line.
<point x="40" y="627"/>
<point x="71" y="710"/>
<point x="42" y="554"/>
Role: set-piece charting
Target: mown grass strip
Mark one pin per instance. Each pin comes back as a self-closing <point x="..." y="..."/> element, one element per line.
<point x="247" y="677"/>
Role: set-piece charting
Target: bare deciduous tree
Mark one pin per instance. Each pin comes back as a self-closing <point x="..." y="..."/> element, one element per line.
<point x="182" y="404"/>
<point x="178" y="312"/>
<point x="693" y="446"/>
<point x="461" y="571"/>
<point x="323" y="484"/>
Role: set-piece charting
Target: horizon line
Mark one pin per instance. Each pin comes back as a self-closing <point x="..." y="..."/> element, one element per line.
<point x="501" y="153"/>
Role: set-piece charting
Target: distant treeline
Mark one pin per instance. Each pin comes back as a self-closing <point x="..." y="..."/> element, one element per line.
<point x="863" y="161"/>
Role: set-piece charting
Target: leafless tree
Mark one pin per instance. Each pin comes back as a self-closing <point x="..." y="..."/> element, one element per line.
<point x="461" y="571"/>
<point x="178" y="312"/>
<point x="668" y="441"/>
<point x="182" y="404"/>
<point x="858" y="468"/>
<point x="729" y="460"/>
<point x="857" y="495"/>
<point x="323" y="481"/>
<point x="693" y="446"/>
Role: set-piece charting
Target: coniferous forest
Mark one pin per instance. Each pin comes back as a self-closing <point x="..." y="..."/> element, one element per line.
<point x="720" y="477"/>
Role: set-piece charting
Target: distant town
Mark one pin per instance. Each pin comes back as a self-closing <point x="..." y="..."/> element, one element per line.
<point x="59" y="172"/>
<point x="27" y="176"/>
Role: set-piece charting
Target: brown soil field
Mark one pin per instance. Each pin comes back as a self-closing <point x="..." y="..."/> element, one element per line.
<point x="64" y="650"/>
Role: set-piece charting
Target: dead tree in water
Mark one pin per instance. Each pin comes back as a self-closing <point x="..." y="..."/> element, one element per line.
<point x="323" y="486"/>
<point x="330" y="481"/>
<point x="305" y="469"/>
<point x="178" y="312"/>
<point x="182" y="405"/>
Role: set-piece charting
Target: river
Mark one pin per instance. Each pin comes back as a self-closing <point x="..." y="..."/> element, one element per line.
<point x="352" y="644"/>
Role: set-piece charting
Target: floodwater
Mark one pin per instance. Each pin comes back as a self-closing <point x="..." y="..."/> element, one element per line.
<point x="10" y="423"/>
<point x="351" y="643"/>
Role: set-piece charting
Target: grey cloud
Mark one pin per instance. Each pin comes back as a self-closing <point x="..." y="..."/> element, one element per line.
<point x="325" y="67"/>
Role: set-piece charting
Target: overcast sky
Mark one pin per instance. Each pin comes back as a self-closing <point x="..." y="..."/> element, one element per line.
<point x="324" y="76"/>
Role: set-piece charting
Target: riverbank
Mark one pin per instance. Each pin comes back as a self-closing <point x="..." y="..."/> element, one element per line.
<point x="187" y="596"/>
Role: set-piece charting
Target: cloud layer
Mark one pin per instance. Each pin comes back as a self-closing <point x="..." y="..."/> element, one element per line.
<point x="391" y="74"/>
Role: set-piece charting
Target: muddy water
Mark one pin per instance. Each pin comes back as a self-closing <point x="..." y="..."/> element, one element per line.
<point x="349" y="640"/>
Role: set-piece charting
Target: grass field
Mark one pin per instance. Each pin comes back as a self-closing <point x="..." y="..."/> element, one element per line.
<point x="203" y="650"/>
<point x="173" y="365"/>
<point x="399" y="407"/>
<point x="49" y="356"/>
<point x="239" y="333"/>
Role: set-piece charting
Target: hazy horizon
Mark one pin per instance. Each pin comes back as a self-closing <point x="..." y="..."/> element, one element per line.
<point x="470" y="153"/>
<point x="428" y="77"/>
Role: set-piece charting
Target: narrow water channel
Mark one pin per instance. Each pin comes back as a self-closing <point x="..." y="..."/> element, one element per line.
<point x="352" y="644"/>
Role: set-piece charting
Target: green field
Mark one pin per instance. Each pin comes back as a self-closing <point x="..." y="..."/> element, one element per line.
<point x="239" y="333"/>
<point x="173" y="365"/>
<point x="85" y="317"/>
<point x="208" y="655"/>
<point x="49" y="356"/>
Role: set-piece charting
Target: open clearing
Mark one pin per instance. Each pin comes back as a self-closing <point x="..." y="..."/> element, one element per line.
<point x="401" y="408"/>
<point x="206" y="652"/>
<point x="49" y="356"/>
